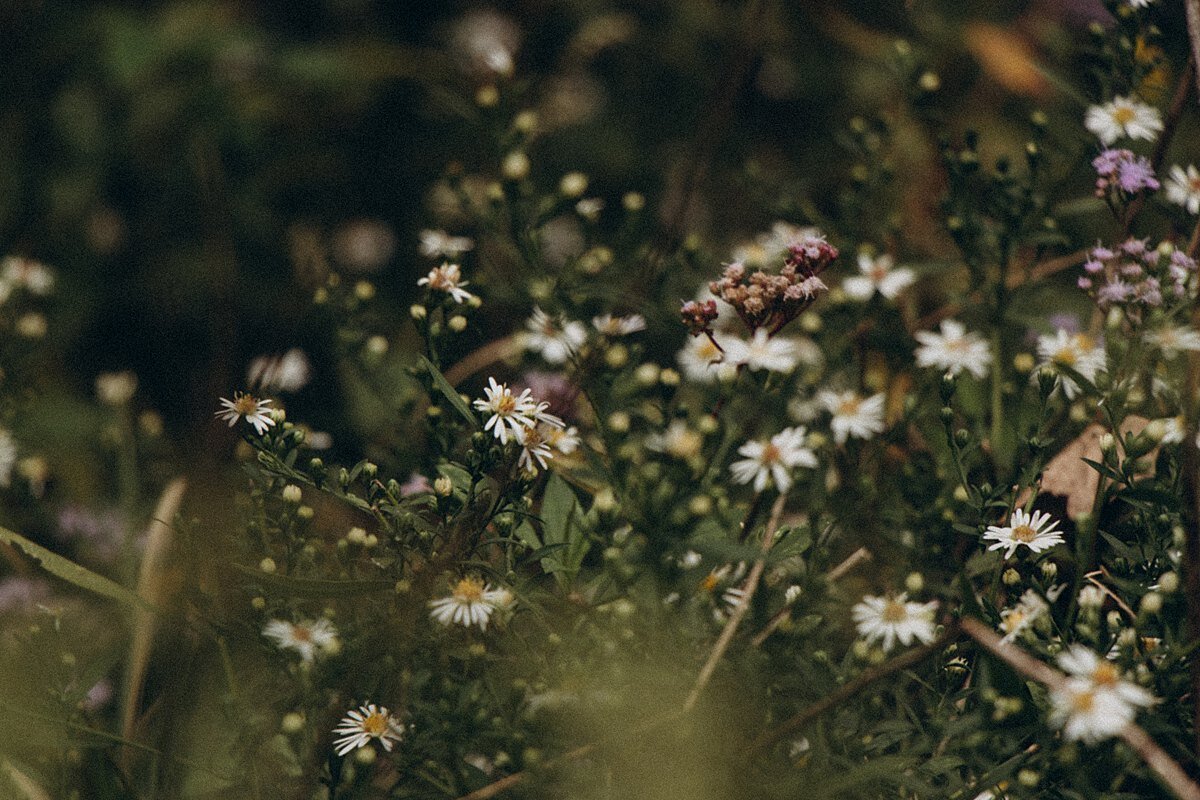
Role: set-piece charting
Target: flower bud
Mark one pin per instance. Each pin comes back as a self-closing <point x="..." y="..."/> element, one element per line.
<point x="457" y="323"/>
<point x="1011" y="577"/>
<point x="292" y="493"/>
<point x="1151" y="603"/>
<point x="267" y="565"/>
<point x="573" y="184"/>
<point x="515" y="166"/>
<point x="443" y="486"/>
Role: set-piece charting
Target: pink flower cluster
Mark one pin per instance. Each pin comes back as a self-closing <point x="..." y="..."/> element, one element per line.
<point x="1124" y="172"/>
<point x="766" y="300"/>
<point x="1136" y="274"/>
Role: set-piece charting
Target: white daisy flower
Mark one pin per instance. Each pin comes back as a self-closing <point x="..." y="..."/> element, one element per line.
<point x="1080" y="662"/>
<point x="1037" y="532"/>
<point x="878" y="274"/>
<point x="254" y="411"/>
<point x="535" y="450"/>
<point x="772" y="461"/>
<point x="556" y="339"/>
<point x="1016" y="620"/>
<point x="306" y="638"/>
<point x="8" y="457"/>
<point x="1077" y="351"/>
<point x="775" y="354"/>
<point x="888" y="619"/>
<point x="619" y="326"/>
<point x="1087" y="713"/>
<point x="289" y="372"/>
<point x="853" y="415"/>
<point x="358" y="728"/>
<point x="471" y="602"/>
<point x="439" y="244"/>
<point x="448" y="278"/>
<point x="509" y="413"/>
<point x="954" y="350"/>
<point x="1183" y="187"/>
<point x="1123" y="117"/>
<point x="1173" y="341"/>
<point x="702" y="362"/>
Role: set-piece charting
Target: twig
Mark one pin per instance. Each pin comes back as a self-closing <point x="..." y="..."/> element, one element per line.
<point x="476" y="360"/>
<point x="1167" y="769"/>
<point x="852" y="561"/>
<point x="1193" y="28"/>
<point x="848" y="690"/>
<point x="743" y="606"/>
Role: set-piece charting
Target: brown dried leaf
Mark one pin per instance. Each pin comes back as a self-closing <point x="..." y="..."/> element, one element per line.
<point x="1069" y="476"/>
<point x="1007" y="58"/>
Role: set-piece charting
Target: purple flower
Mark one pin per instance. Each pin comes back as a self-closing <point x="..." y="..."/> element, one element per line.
<point x="1123" y="170"/>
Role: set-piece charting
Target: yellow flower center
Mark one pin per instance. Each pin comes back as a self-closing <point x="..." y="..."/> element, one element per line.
<point x="301" y="633"/>
<point x="1194" y="184"/>
<point x="1024" y="533"/>
<point x="506" y="404"/>
<point x="375" y="724"/>
<point x="1082" y="702"/>
<point x="1067" y="356"/>
<point x="1124" y="115"/>
<point x="1012" y="621"/>
<point x="894" y="612"/>
<point x="709" y="583"/>
<point x="878" y="272"/>
<point x="770" y="454"/>
<point x="469" y="590"/>
<point x="1105" y="674"/>
<point x="849" y="406"/>
<point x="245" y="404"/>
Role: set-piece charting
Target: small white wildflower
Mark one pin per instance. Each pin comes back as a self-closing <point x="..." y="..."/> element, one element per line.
<point x="1123" y="117"/>
<point x="772" y="461"/>
<point x="1077" y="351"/>
<point x="511" y="413"/>
<point x="439" y="244"/>
<point x="246" y="406"/>
<point x="1183" y="187"/>
<point x="853" y="415"/>
<point x="1037" y="532"/>
<point x="556" y="339"/>
<point x="358" y="728"/>
<point x="1080" y="662"/>
<point x="535" y="450"/>
<point x="471" y="602"/>
<point x="954" y="350"/>
<point x="1014" y="621"/>
<point x="289" y="372"/>
<point x="1173" y="341"/>
<point x="891" y="619"/>
<point x="690" y="560"/>
<point x="702" y="362"/>
<point x="775" y="354"/>
<point x="448" y="278"/>
<point x="878" y="274"/>
<point x="306" y="638"/>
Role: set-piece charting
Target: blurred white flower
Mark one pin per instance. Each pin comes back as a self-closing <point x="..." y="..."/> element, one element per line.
<point x="1077" y="351"/>
<point x="1183" y="187"/>
<point x="954" y="350"/>
<point x="619" y="326"/>
<point x="306" y="638"/>
<point x="363" y="245"/>
<point x="289" y="372"/>
<point x="853" y="415"/>
<point x="772" y="461"/>
<point x="702" y="362"/>
<point x="439" y="244"/>
<point x="1173" y="341"/>
<point x="890" y="619"/>
<point x="1123" y="117"/>
<point x="555" y="338"/>
<point x="762" y="351"/>
<point x="878" y="274"/>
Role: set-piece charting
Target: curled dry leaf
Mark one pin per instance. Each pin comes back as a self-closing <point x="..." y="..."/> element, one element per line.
<point x="1069" y="476"/>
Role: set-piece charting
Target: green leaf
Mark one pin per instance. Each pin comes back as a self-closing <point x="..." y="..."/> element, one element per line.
<point x="313" y="587"/>
<point x="72" y="573"/>
<point x="561" y="526"/>
<point x="443" y="386"/>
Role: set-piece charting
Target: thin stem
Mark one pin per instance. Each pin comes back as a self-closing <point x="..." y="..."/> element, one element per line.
<point x="848" y="690"/>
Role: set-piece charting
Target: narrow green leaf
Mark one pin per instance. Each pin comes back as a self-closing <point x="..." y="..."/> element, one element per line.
<point x="72" y="573"/>
<point x="443" y="386"/>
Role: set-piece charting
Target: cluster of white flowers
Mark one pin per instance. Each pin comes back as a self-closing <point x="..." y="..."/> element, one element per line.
<point x="470" y="602"/>
<point x="512" y="415"/>
<point x="1094" y="702"/>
